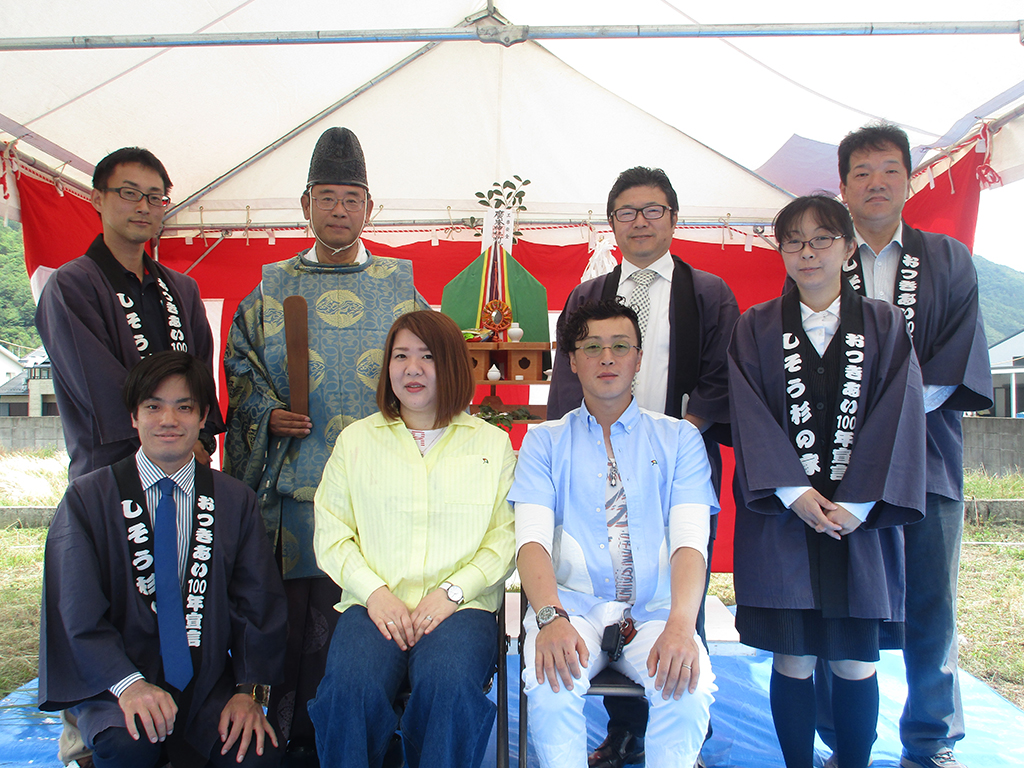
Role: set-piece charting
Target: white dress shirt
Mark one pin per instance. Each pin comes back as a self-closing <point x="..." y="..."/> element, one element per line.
<point x="652" y="381"/>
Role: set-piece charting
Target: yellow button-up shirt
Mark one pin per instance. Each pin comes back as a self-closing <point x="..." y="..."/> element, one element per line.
<point x="387" y="516"/>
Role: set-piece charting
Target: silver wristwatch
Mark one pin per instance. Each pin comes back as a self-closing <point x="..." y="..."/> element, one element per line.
<point x="454" y="592"/>
<point x="549" y="613"/>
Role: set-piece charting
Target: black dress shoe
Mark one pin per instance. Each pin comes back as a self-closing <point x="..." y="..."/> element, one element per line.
<point x="618" y="749"/>
<point x="395" y="756"/>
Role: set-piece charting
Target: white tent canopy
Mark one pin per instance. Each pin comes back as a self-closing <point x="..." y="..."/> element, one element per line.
<point x="450" y="121"/>
<point x="515" y="111"/>
<point x="465" y="114"/>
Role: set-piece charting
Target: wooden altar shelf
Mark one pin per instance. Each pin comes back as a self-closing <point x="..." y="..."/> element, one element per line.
<point x="513" y="358"/>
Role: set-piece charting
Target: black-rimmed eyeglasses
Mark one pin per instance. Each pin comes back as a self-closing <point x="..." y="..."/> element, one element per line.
<point x="650" y="212"/>
<point x="133" y="195"/>
<point x="819" y="243"/>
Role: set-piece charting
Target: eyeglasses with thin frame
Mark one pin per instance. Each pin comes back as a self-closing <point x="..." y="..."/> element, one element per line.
<point x="133" y="195"/>
<point x="619" y="348"/>
<point x="328" y="203"/>
<point x="650" y="212"/>
<point x="819" y="243"/>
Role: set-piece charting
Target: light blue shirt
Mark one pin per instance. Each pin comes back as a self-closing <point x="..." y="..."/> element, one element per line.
<point x="880" y="282"/>
<point x="662" y="464"/>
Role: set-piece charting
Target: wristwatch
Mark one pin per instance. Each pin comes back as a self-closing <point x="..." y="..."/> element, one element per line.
<point x="549" y="613"/>
<point x="260" y="693"/>
<point x="454" y="592"/>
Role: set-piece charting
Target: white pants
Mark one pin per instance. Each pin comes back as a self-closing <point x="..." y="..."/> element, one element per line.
<point x="558" y="728"/>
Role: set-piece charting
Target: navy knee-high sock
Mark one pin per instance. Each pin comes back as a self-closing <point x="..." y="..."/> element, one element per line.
<point x="793" y="712"/>
<point x="855" y="704"/>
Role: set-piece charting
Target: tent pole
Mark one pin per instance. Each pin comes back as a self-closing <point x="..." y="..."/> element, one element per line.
<point x="500" y="34"/>
<point x="206" y="253"/>
<point x="426" y="224"/>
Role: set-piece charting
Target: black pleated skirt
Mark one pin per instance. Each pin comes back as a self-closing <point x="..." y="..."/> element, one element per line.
<point x="799" y="632"/>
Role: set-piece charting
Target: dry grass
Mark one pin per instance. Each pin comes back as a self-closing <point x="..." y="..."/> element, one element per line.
<point x="721" y="587"/>
<point x="991" y="607"/>
<point x="978" y="484"/>
<point x="21" y="563"/>
<point x="36" y="479"/>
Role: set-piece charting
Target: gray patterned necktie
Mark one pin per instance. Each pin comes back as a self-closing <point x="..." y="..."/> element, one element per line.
<point x="640" y="300"/>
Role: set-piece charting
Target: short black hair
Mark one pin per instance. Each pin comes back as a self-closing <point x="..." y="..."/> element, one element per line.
<point x="829" y="212"/>
<point x="577" y="325"/>
<point x="877" y="136"/>
<point x="643" y="177"/>
<point x="145" y="378"/>
<point x="128" y="156"/>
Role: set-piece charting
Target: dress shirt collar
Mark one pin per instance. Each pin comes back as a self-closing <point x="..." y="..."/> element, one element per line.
<point x="460" y="419"/>
<point x="663" y="266"/>
<point x="362" y="256"/>
<point x="150" y="473"/>
<point x="628" y="419"/>
<point x="806" y="313"/>
<point x="897" y="238"/>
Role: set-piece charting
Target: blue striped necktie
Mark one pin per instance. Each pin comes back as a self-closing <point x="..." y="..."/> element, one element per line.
<point x="170" y="614"/>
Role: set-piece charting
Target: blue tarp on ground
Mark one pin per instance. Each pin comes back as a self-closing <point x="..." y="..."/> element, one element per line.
<point x="744" y="734"/>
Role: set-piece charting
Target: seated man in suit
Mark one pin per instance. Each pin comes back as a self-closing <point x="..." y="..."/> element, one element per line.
<point x="157" y="530"/>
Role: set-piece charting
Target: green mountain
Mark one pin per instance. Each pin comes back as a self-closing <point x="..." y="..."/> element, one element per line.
<point x="1001" y="291"/>
<point x="17" y="311"/>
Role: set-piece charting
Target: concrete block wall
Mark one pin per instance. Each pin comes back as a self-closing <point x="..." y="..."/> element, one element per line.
<point x="31" y="433"/>
<point x="995" y="445"/>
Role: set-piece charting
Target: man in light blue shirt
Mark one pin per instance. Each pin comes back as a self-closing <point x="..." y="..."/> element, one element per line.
<point x="612" y="514"/>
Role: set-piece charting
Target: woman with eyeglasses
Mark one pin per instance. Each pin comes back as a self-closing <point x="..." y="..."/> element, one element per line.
<point x="829" y="437"/>
<point x="412" y="523"/>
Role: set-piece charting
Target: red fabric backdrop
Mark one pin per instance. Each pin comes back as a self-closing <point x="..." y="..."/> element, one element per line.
<point x="59" y="228"/>
<point x="951" y="207"/>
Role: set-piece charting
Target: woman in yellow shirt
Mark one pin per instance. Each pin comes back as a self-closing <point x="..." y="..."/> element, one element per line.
<point x="412" y="523"/>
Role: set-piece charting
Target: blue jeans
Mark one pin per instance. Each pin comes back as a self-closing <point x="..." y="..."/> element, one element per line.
<point x="933" y="718"/>
<point x="447" y="719"/>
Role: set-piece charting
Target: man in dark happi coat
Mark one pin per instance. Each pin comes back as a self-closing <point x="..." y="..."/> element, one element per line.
<point x="931" y="278"/>
<point x="103" y="312"/>
<point x="353" y="297"/>
<point x="159" y="531"/>
<point x="686" y="318"/>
